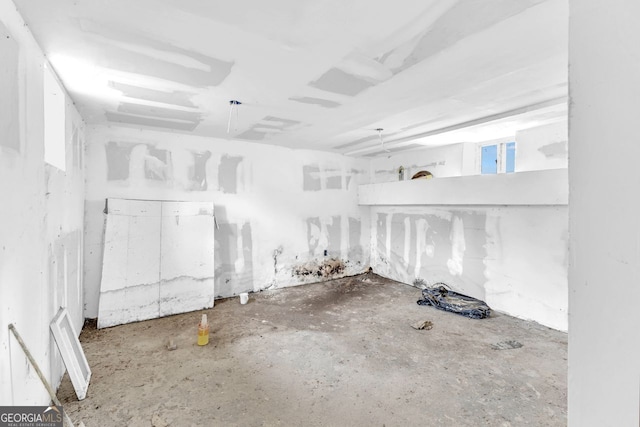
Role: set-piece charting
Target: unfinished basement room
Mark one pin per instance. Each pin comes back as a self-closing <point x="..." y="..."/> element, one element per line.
<point x="319" y="213"/>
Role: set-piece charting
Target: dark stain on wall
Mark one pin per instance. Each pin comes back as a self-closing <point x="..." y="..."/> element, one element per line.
<point x="118" y="159"/>
<point x="326" y="269"/>
<point x="228" y="174"/>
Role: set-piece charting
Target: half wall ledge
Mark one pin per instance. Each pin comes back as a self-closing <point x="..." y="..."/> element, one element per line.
<point x="545" y="187"/>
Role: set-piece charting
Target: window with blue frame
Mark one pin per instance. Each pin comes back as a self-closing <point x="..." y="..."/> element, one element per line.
<point x="489" y="159"/>
<point x="498" y="158"/>
<point x="510" y="157"/>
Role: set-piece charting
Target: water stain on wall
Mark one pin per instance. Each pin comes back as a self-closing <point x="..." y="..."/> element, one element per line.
<point x="325" y="269"/>
<point x="228" y="174"/>
<point x="199" y="172"/>
<point x="311" y="178"/>
<point x="118" y="159"/>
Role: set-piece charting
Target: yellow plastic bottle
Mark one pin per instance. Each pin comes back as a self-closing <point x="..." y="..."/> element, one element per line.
<point x="203" y="331"/>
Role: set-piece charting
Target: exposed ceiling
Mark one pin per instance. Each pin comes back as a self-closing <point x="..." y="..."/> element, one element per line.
<point x="309" y="73"/>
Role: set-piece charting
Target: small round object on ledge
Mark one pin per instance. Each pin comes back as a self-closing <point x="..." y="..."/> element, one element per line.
<point x="422" y="175"/>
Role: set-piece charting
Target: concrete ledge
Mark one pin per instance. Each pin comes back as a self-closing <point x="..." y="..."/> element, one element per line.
<point x="547" y="187"/>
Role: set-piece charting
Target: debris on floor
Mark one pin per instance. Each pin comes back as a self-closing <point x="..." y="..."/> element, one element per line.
<point x="423" y="324"/>
<point x="440" y="297"/>
<point x="506" y="345"/>
<point x="171" y="345"/>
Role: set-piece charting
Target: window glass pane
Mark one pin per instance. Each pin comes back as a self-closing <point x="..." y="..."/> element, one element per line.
<point x="489" y="161"/>
<point x="511" y="157"/>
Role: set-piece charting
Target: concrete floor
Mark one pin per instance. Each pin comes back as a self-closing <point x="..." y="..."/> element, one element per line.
<point x="339" y="353"/>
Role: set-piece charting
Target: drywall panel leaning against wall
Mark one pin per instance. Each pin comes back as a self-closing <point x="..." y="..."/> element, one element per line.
<point x="158" y="260"/>
<point x="285" y="217"/>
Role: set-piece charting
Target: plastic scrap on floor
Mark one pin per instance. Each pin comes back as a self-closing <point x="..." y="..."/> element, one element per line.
<point x="506" y="345"/>
<point x="440" y="297"/>
<point x="423" y="324"/>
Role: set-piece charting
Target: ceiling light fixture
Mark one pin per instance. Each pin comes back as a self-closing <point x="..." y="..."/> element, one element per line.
<point x="379" y="130"/>
<point x="233" y="104"/>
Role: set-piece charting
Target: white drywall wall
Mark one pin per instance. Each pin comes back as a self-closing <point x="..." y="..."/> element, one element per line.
<point x="41" y="219"/>
<point x="543" y="147"/>
<point x="440" y="161"/>
<point x="277" y="209"/>
<point x="513" y="257"/>
<point x="537" y="148"/>
<point x="527" y="188"/>
<point x="502" y="237"/>
<point x="604" y="214"/>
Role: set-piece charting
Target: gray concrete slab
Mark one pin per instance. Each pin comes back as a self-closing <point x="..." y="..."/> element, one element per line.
<point x="339" y="353"/>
